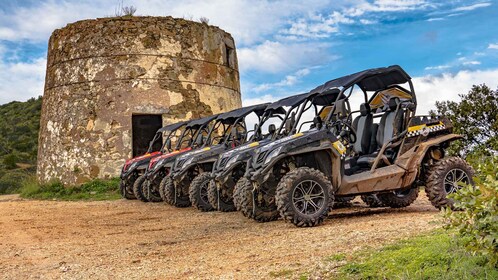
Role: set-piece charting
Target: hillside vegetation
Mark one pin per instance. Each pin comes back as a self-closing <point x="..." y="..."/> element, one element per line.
<point x="19" y="125"/>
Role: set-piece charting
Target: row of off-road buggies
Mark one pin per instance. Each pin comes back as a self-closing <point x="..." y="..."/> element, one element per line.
<point x="305" y="153"/>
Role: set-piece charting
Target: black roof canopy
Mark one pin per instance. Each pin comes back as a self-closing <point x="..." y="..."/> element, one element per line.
<point x="368" y="80"/>
<point x="172" y="127"/>
<point x="199" y="122"/>
<point x="290" y="101"/>
<point x="242" y="112"/>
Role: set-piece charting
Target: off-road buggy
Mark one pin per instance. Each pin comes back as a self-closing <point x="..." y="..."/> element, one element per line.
<point x="386" y="150"/>
<point x="134" y="168"/>
<point x="147" y="187"/>
<point x="192" y="171"/>
<point x="231" y="165"/>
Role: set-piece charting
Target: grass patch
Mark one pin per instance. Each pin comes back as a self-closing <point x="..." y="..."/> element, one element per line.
<point x="434" y="256"/>
<point x="94" y="190"/>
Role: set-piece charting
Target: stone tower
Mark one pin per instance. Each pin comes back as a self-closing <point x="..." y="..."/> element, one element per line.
<point x="111" y="81"/>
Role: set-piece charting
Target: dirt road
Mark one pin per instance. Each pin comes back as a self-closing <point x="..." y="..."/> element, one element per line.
<point x="131" y="239"/>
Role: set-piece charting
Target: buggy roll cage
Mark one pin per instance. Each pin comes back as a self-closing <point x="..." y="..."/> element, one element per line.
<point x="171" y="128"/>
<point x="231" y="119"/>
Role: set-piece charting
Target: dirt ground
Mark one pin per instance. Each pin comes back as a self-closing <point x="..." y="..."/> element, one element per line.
<point x="131" y="239"/>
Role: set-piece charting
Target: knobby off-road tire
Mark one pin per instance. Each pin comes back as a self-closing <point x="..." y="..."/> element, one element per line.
<point x="126" y="190"/>
<point x="220" y="203"/>
<point x="237" y="192"/>
<point x="151" y="194"/>
<point x="399" y="199"/>
<point x="372" y="200"/>
<point x="138" y="190"/>
<point x="169" y="192"/>
<point x="252" y="210"/>
<point x="444" y="178"/>
<point x="162" y="187"/>
<point x="198" y="192"/>
<point x="304" y="197"/>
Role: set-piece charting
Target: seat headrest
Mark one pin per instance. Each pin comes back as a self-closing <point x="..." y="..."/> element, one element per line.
<point x="340" y="109"/>
<point x="393" y="103"/>
<point x="364" y="109"/>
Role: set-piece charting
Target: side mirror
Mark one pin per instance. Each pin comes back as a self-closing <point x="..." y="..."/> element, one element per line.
<point x="272" y="128"/>
<point x="168" y="144"/>
<point x="317" y="121"/>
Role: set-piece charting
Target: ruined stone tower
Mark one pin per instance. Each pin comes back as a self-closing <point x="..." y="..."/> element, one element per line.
<point x="111" y="81"/>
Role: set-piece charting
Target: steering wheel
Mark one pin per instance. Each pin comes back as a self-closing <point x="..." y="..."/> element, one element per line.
<point x="346" y="128"/>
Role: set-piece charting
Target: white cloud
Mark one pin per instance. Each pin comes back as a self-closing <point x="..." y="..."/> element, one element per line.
<point x="22" y="80"/>
<point x="472" y="62"/>
<point x="472" y="7"/>
<point x="317" y="26"/>
<point x="387" y="6"/>
<point x="275" y="57"/>
<point x="435" y="19"/>
<point x="430" y="89"/>
<point x="248" y="101"/>
<point x="439" y="67"/>
<point x="367" y="21"/>
<point x="248" y="21"/>
<point x="289" y="80"/>
<point x="493" y="46"/>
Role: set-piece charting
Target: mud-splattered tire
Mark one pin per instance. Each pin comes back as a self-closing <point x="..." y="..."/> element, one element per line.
<point x="444" y="178"/>
<point x="262" y="214"/>
<point x="223" y="205"/>
<point x="138" y="190"/>
<point x="198" y="192"/>
<point x="151" y="195"/>
<point x="169" y="190"/>
<point x="399" y="199"/>
<point x="372" y="200"/>
<point x="126" y="190"/>
<point x="237" y="190"/>
<point x="304" y="197"/>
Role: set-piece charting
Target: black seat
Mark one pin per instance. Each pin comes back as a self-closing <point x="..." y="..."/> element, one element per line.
<point x="363" y="125"/>
<point x="391" y="124"/>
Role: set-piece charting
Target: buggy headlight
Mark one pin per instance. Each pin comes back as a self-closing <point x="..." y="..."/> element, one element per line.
<point x="159" y="164"/>
<point x="273" y="154"/>
<point x="133" y="165"/>
<point x="232" y="161"/>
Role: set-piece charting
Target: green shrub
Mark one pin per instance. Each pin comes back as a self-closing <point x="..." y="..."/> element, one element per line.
<point x="10" y="160"/>
<point x="477" y="222"/>
<point x="11" y="181"/>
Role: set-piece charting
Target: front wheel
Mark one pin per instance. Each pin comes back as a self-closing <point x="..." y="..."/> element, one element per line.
<point x="399" y="199"/>
<point x="446" y="177"/>
<point x="170" y="194"/>
<point x="198" y="192"/>
<point x="256" y="204"/>
<point x="126" y="190"/>
<point x="138" y="189"/>
<point x="304" y="197"/>
<point x="151" y="191"/>
<point x="220" y="199"/>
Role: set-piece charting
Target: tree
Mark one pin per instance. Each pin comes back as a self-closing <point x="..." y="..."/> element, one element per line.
<point x="475" y="117"/>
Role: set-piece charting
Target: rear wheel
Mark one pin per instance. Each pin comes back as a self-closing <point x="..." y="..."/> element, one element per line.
<point x="198" y="192"/>
<point x="446" y="177"/>
<point x="126" y="189"/>
<point x="258" y="204"/>
<point x="372" y="200"/>
<point x="399" y="199"/>
<point x="304" y="197"/>
<point x="138" y="189"/>
<point x="171" y="196"/>
<point x="221" y="200"/>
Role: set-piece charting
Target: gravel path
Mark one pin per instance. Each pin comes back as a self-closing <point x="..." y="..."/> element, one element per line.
<point x="130" y="239"/>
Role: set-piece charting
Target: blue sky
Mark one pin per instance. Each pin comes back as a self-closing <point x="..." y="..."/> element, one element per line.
<point x="287" y="47"/>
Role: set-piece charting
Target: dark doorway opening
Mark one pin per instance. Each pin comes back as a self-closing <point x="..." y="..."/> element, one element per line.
<point x="144" y="127"/>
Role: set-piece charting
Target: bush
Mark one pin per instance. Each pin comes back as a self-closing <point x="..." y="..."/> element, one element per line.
<point x="10" y="161"/>
<point x="97" y="189"/>
<point x="477" y="222"/>
<point x="11" y="181"/>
